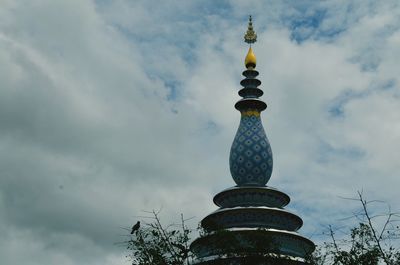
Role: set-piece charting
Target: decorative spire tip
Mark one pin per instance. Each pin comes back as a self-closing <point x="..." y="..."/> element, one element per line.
<point x="250" y="36"/>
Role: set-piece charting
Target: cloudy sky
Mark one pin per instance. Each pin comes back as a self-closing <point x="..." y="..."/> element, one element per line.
<point x="109" y="108"/>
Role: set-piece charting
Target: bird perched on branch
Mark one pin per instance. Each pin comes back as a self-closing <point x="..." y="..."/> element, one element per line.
<point x="135" y="227"/>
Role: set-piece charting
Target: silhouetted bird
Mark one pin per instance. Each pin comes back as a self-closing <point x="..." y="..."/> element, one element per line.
<point x="135" y="227"/>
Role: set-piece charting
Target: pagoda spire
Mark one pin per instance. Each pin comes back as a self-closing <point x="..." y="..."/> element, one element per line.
<point x="250" y="159"/>
<point x="251" y="225"/>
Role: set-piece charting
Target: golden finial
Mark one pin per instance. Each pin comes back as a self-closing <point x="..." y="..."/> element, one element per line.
<point x="250" y="61"/>
<point x="250" y="37"/>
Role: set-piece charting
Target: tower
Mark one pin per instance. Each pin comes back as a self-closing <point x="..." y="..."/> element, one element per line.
<point x="251" y="225"/>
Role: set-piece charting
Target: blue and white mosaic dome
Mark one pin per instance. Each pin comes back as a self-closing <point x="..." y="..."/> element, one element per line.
<point x="250" y="159"/>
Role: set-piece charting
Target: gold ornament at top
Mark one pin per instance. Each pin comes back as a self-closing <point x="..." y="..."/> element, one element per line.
<point x="250" y="36"/>
<point x="250" y="61"/>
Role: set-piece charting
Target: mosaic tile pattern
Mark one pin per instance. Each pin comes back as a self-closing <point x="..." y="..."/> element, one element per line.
<point x="250" y="159"/>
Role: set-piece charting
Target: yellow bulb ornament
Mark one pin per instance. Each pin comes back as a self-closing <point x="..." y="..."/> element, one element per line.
<point x="250" y="61"/>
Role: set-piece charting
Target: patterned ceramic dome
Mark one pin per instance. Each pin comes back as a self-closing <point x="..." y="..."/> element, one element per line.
<point x="250" y="159"/>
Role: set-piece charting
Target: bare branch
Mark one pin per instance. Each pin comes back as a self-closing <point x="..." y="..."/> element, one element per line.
<point x="377" y="240"/>
<point x="332" y="234"/>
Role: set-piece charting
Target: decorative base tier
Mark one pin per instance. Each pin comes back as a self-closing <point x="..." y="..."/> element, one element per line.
<point x="251" y="196"/>
<point x="250" y="260"/>
<point x="260" y="243"/>
<point x="251" y="217"/>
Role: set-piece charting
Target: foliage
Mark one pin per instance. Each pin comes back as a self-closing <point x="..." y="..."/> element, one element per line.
<point x="373" y="241"/>
<point x="227" y="243"/>
<point x="154" y="244"/>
